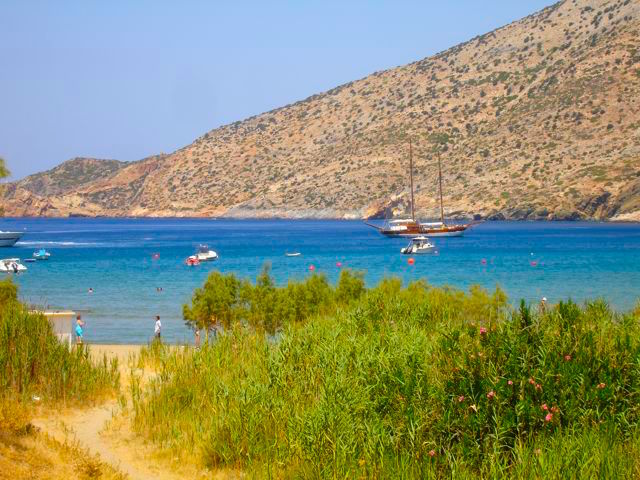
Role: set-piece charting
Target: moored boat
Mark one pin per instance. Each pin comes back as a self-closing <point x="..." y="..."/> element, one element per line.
<point x="41" y="254"/>
<point x="204" y="254"/>
<point x="9" y="239"/>
<point x="418" y="245"/>
<point x="12" y="265"/>
<point x="192" y="261"/>
<point x="410" y="227"/>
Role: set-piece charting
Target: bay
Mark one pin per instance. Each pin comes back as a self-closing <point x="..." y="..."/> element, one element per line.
<point x="114" y="257"/>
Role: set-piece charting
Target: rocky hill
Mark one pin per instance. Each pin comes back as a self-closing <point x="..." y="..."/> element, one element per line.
<point x="538" y="119"/>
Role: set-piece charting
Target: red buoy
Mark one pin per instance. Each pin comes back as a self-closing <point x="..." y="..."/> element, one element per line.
<point x="312" y="268"/>
<point x="484" y="261"/>
<point x="338" y="264"/>
<point x="534" y="263"/>
<point x="411" y="261"/>
<point x="155" y="256"/>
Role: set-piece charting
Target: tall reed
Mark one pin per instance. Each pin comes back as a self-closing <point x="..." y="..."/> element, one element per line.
<point x="34" y="362"/>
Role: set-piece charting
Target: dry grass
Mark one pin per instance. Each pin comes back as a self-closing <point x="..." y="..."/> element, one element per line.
<point x="26" y="453"/>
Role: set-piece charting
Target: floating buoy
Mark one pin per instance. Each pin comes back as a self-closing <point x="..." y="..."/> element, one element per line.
<point x="534" y="263"/>
<point x="411" y="261"/>
<point x="338" y="264"/>
<point x="483" y="261"/>
<point x="155" y="256"/>
<point x="312" y="268"/>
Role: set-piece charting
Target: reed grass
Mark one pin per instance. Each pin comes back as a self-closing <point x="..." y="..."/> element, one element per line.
<point x="404" y="383"/>
<point x="34" y="363"/>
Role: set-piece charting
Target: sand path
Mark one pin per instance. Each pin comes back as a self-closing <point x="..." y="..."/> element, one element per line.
<point x="100" y="430"/>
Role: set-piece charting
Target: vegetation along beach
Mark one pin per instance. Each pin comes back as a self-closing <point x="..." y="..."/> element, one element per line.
<point x="325" y="240"/>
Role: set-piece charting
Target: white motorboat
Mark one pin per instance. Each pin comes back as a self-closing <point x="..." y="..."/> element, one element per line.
<point x="12" y="265"/>
<point x="292" y="254"/>
<point x="418" y="245"/>
<point x="205" y="255"/>
<point x="8" y="239"/>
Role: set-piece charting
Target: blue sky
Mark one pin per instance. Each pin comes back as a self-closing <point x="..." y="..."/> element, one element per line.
<point x="131" y="78"/>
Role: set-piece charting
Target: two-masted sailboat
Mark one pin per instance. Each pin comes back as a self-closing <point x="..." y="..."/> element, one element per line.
<point x="410" y="227"/>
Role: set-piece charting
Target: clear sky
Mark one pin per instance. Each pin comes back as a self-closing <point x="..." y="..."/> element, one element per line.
<point x="125" y="79"/>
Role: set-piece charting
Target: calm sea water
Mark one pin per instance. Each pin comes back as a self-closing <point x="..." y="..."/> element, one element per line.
<point x="114" y="257"/>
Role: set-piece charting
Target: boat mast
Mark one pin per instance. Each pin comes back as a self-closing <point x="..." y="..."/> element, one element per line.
<point x="413" y="212"/>
<point x="440" y="178"/>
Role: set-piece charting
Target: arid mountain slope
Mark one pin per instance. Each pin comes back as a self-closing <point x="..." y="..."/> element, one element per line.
<point x="541" y="119"/>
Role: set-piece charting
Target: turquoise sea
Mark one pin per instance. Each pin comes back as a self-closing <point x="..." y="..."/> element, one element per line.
<point x="575" y="260"/>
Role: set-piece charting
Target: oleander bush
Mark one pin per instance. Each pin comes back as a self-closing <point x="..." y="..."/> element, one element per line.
<point x="408" y="382"/>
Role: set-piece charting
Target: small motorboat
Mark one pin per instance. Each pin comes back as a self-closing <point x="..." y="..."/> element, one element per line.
<point x="205" y="255"/>
<point x="41" y="254"/>
<point x="12" y="265"/>
<point x="418" y="245"/>
<point x="292" y="254"/>
<point x="29" y="260"/>
<point x="192" y="261"/>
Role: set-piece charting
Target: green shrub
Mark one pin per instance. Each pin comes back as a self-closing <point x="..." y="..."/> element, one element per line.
<point x="406" y="382"/>
<point x="8" y="293"/>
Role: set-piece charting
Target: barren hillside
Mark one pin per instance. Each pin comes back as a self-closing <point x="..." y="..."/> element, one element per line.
<point x="541" y="119"/>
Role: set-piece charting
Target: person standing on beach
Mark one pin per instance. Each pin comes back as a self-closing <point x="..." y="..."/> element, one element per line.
<point x="158" y="328"/>
<point x="79" y="329"/>
<point x="197" y="337"/>
<point x="543" y="305"/>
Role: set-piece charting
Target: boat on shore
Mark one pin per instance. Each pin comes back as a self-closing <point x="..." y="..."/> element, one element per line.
<point x="12" y="265"/>
<point x="9" y="239"/>
<point x="410" y="227"/>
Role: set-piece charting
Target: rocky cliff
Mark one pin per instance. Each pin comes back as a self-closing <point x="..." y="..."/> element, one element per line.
<point x="539" y="119"/>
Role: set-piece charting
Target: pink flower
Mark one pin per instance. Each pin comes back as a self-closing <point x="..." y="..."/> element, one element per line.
<point x="602" y="385"/>
<point x="532" y="381"/>
<point x="538" y="387"/>
<point x="432" y="453"/>
<point x="567" y="358"/>
<point x="544" y="407"/>
<point x="491" y="394"/>
<point x="554" y="409"/>
<point x="483" y="331"/>
<point x="510" y="382"/>
<point x="548" y="417"/>
<point x="461" y="399"/>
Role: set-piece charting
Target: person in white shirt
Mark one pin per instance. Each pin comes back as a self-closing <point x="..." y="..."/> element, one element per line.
<point x="158" y="327"/>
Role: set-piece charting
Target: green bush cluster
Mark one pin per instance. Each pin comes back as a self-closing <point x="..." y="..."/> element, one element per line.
<point x="34" y="363"/>
<point x="410" y="382"/>
<point x="225" y="300"/>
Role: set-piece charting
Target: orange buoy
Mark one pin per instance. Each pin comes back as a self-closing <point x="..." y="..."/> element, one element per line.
<point x="411" y="261"/>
